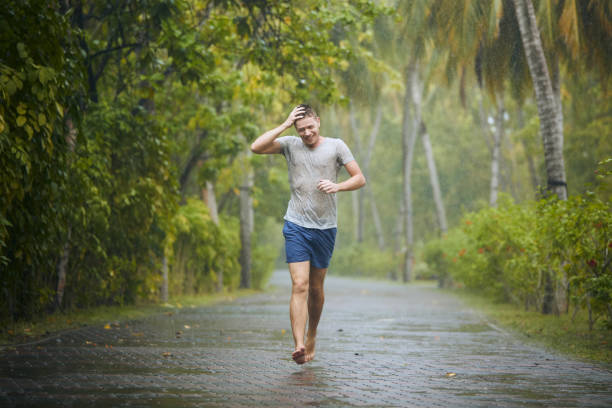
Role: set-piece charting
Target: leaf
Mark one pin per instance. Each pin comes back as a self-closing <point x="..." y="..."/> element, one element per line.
<point x="21" y="120"/>
<point x="21" y="109"/>
<point x="42" y="119"/>
<point x="107" y="326"/>
<point x="451" y="375"/>
<point x="167" y="354"/>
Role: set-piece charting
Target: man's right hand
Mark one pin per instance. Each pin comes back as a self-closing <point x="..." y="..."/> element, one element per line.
<point x="296" y="113"/>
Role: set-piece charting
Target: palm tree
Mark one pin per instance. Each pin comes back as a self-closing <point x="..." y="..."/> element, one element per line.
<point x="549" y="111"/>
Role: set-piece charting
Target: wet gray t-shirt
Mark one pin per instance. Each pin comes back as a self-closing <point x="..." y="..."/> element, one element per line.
<point x="308" y="206"/>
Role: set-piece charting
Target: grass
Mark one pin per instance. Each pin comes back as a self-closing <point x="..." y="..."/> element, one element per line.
<point x="559" y="333"/>
<point x="14" y="333"/>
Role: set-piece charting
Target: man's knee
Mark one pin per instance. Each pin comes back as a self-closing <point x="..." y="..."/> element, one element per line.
<point x="300" y="286"/>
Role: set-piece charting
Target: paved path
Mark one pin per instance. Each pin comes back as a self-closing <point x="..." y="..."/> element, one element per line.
<point x="379" y="345"/>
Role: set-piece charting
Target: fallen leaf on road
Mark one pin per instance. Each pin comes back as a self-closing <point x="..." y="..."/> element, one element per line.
<point x="187" y="326"/>
<point x="139" y="334"/>
<point x="167" y="354"/>
<point x="107" y="326"/>
<point x="179" y="332"/>
<point x="283" y="331"/>
<point x="450" y="375"/>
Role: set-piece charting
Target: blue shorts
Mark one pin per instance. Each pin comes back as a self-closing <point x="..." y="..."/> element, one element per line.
<point x="309" y="244"/>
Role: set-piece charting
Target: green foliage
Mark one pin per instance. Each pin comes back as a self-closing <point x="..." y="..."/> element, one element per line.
<point x="200" y="251"/>
<point x="364" y="260"/>
<point x="267" y="240"/>
<point x="507" y="253"/>
<point x="40" y="83"/>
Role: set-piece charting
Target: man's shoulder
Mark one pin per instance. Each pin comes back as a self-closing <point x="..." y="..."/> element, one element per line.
<point x="288" y="139"/>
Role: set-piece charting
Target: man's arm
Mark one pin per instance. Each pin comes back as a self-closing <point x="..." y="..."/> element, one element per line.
<point x="356" y="181"/>
<point x="266" y="143"/>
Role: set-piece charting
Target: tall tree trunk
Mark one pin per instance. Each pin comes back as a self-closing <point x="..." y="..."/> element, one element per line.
<point x="366" y="167"/>
<point x="484" y="124"/>
<point x="433" y="178"/>
<point x="398" y="234"/>
<point x="208" y="196"/>
<point x="551" y="116"/>
<point x="62" y="265"/>
<point x="164" y="288"/>
<point x="533" y="173"/>
<point x="495" y="159"/>
<point x="410" y="124"/>
<point x="358" y="203"/>
<point x="246" y="224"/>
<point x="380" y="237"/>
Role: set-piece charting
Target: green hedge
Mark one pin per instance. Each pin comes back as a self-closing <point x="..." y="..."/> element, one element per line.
<point x="548" y="255"/>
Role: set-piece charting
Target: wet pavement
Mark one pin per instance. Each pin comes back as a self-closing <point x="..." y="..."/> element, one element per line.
<point x="379" y="345"/>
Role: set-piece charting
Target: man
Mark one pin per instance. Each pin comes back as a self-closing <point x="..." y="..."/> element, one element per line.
<point x="310" y="222"/>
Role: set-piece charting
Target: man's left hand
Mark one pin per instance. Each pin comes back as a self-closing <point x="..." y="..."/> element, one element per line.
<point x="328" y="187"/>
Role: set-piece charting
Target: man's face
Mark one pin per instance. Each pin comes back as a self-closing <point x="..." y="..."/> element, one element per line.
<point x="308" y="129"/>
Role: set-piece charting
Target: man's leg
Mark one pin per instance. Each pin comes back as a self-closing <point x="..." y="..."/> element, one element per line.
<point x="316" y="298"/>
<point x="298" y="310"/>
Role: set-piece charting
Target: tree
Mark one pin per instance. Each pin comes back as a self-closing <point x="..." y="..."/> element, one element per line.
<point x="551" y="116"/>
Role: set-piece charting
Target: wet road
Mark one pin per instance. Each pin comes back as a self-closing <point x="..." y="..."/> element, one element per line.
<point x="380" y="344"/>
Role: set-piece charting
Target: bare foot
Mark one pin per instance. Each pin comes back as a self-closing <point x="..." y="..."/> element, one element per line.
<point x="299" y="354"/>
<point x="310" y="349"/>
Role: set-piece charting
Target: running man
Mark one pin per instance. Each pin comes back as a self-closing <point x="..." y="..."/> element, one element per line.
<point x="313" y="162"/>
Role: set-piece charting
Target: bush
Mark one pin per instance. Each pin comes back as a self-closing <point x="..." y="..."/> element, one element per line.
<point x="544" y="255"/>
<point x="364" y="260"/>
<point x="199" y="251"/>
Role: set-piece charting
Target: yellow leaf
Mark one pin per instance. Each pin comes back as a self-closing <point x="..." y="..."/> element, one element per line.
<point x="21" y="120"/>
<point x="166" y="354"/>
<point x="451" y="375"/>
<point x="187" y="326"/>
<point x="107" y="326"/>
<point x="21" y="109"/>
<point x="42" y="119"/>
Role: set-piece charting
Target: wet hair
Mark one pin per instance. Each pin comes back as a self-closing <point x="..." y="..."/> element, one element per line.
<point x="309" y="112"/>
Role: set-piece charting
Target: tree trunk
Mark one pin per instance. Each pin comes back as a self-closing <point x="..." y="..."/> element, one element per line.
<point x="495" y="159"/>
<point x="484" y="124"/>
<point x="246" y="224"/>
<point x="533" y="173"/>
<point x="551" y="117"/>
<point x="410" y="124"/>
<point x="433" y="178"/>
<point x="62" y="265"/>
<point x="380" y="237"/>
<point x="357" y="195"/>
<point x="208" y="196"/>
<point x="164" y="288"/>
<point x="366" y="171"/>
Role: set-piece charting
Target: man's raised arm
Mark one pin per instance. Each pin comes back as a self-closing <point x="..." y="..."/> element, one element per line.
<point x="266" y="143"/>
